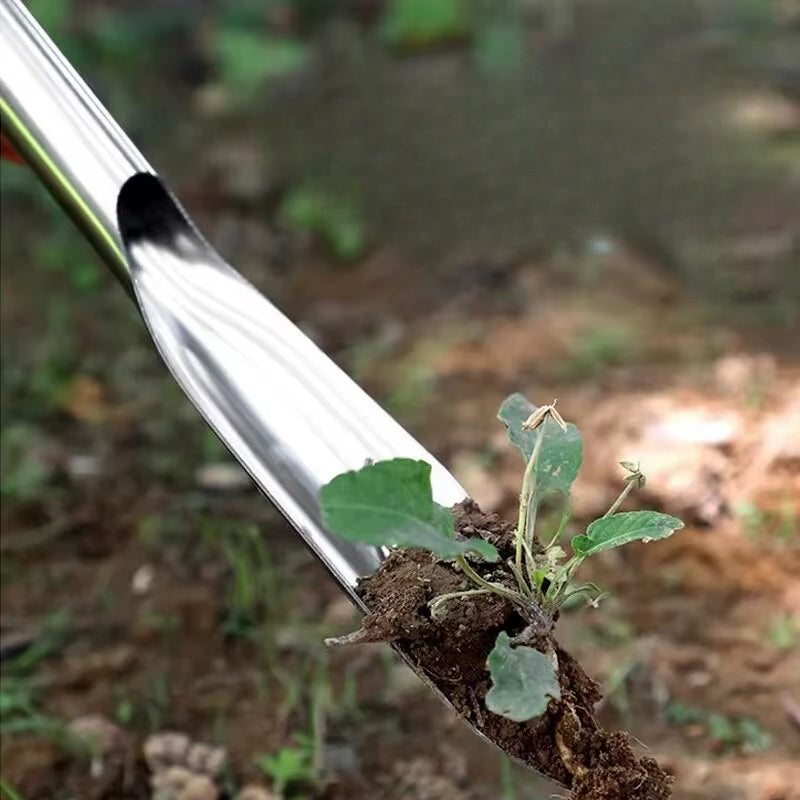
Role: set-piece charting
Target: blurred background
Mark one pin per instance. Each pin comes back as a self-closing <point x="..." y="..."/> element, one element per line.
<point x="595" y="200"/>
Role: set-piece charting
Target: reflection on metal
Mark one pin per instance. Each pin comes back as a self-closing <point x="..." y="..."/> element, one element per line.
<point x="287" y="412"/>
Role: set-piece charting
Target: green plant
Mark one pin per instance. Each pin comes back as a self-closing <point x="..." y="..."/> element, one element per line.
<point x="20" y="715"/>
<point x="51" y="637"/>
<point x="248" y="60"/>
<point x="252" y="588"/>
<point x="421" y="23"/>
<point x="332" y="218"/>
<point x="8" y="792"/>
<point x="733" y="733"/>
<point x="287" y="765"/>
<point x="391" y="504"/>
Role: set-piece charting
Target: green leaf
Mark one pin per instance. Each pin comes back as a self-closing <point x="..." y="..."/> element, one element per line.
<point x="390" y="504"/>
<point x="523" y="681"/>
<point x="561" y="452"/>
<point x="419" y="23"/>
<point x="443" y="521"/>
<point x="248" y="60"/>
<point x="619" y="529"/>
<point x="332" y="218"/>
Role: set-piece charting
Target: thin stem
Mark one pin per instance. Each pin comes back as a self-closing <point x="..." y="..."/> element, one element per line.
<point x="561" y="581"/>
<point x="525" y="497"/>
<point x="522" y="581"/>
<point x="443" y="598"/>
<point x="629" y="487"/>
<point x="509" y="594"/>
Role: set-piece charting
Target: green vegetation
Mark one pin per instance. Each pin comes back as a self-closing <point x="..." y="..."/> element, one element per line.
<point x="247" y="60"/>
<point x="390" y="503"/>
<point x="733" y="733"/>
<point x="288" y="765"/>
<point x="421" y="23"/>
<point x="333" y="219"/>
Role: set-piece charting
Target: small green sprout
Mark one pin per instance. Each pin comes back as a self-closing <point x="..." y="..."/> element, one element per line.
<point x="390" y="503"/>
<point x="286" y="766"/>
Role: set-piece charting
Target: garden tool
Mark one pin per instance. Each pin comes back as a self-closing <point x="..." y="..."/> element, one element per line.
<point x="290" y="416"/>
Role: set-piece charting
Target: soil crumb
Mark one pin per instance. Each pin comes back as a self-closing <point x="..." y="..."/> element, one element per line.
<point x="566" y="743"/>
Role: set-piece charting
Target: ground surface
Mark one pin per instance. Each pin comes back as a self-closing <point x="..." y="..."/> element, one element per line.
<point x="144" y="582"/>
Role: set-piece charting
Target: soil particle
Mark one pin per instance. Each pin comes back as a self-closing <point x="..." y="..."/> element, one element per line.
<point x="566" y="744"/>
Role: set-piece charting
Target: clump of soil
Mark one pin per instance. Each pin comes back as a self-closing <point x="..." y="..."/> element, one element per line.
<point x="566" y="744"/>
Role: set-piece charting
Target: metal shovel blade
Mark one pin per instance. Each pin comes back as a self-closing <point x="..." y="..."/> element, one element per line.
<point x="291" y="417"/>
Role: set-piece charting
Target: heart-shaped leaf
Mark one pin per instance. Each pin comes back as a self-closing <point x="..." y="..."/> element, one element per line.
<point x="523" y="680"/>
<point x="390" y="503"/>
<point x="560" y="454"/>
<point x="618" y="529"/>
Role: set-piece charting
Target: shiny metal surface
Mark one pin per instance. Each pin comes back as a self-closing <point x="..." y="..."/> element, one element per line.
<point x="291" y="417"/>
<point x="63" y="132"/>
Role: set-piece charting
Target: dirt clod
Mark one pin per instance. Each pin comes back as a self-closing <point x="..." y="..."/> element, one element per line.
<point x="567" y="744"/>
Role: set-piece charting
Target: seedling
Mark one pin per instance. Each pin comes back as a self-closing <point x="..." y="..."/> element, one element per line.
<point x="390" y="504"/>
<point x="286" y="766"/>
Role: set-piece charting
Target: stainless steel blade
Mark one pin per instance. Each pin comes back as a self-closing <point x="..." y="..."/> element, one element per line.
<point x="291" y="417"/>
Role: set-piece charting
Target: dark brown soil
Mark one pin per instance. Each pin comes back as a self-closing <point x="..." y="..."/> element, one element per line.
<point x="566" y="744"/>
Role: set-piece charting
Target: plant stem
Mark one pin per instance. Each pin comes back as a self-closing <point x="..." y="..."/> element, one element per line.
<point x="525" y="497"/>
<point x="509" y="594"/>
<point x="443" y="598"/>
<point x="621" y="499"/>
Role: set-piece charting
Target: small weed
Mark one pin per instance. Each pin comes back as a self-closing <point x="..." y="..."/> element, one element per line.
<point x="390" y="504"/>
<point x="733" y="733"/>
<point x="51" y="638"/>
<point x="335" y="220"/>
<point x="252" y="589"/>
<point x="156" y="702"/>
<point x="20" y="716"/>
<point x="249" y="60"/>
<point x="422" y="23"/>
<point x="124" y="712"/>
<point x="8" y="792"/>
<point x="287" y="766"/>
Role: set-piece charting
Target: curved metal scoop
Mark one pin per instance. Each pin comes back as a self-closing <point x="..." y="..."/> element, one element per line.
<point x="292" y="418"/>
